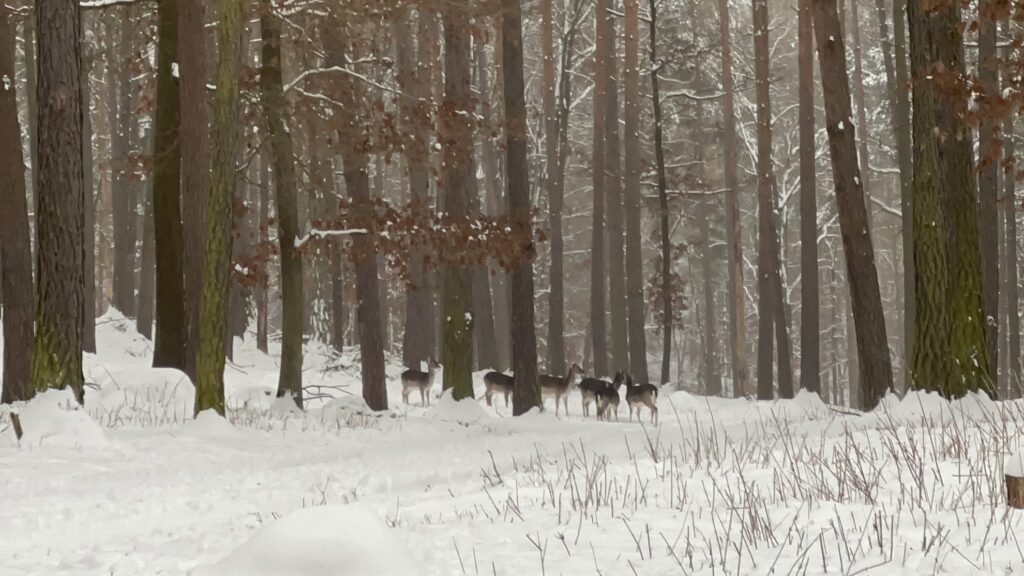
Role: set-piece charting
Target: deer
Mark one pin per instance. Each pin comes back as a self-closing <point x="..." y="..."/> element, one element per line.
<point x="558" y="388"/>
<point x="639" y="395"/>
<point x="422" y="381"/>
<point x="608" y="397"/>
<point x="498" y="383"/>
<point x="593" y="389"/>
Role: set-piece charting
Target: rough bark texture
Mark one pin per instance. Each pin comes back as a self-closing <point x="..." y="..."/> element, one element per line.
<point x="415" y="78"/>
<point x="169" y="344"/>
<point x="810" y="313"/>
<point x="15" y="244"/>
<point x="219" y="216"/>
<point x="862" y="124"/>
<point x="634" y="166"/>
<point x="195" y="165"/>
<point x="666" y="245"/>
<point x="60" y="213"/>
<point x="457" y="138"/>
<point x="869" y="319"/>
<point x="613" y="196"/>
<point x="89" y="231"/>
<point x="524" y="340"/>
<point x="598" y="278"/>
<point x="734" y="236"/>
<point x="286" y="192"/>
<point x="988" y="182"/>
<point x="766" y="266"/>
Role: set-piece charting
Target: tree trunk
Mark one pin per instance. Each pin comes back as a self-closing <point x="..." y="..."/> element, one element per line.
<point x="733" y="234"/>
<point x="862" y="123"/>
<point x="634" y="166"/>
<point x="263" y="297"/>
<point x="286" y="192"/>
<point x="457" y="136"/>
<point x="666" y="245"/>
<point x="219" y="215"/>
<point x="89" y="230"/>
<point x="1014" y="381"/>
<point x="169" y="345"/>
<point x="524" y="340"/>
<point x="195" y="166"/>
<point x="712" y="377"/>
<point x="810" y="314"/>
<point x="15" y="245"/>
<point x="988" y="183"/>
<point x="766" y="263"/>
<point x="554" y="182"/>
<point x="60" y="214"/>
<point x="147" y="268"/>
<point x="124" y="202"/>
<point x="906" y="158"/>
<point x="613" y="195"/>
<point x="968" y="344"/>
<point x="598" y="278"/>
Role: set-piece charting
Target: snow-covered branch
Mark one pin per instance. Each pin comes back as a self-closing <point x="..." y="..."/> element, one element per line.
<point x="300" y="242"/>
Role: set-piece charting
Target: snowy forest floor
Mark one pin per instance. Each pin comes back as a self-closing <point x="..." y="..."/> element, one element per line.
<point x="134" y="486"/>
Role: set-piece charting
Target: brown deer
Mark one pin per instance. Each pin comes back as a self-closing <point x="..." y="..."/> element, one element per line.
<point x="498" y="383"/>
<point x="558" y="388"/>
<point x="640" y="395"/>
<point x="422" y="381"/>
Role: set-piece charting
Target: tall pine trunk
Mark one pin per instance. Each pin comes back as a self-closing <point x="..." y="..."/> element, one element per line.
<point x="60" y="213"/>
<point x="767" y="267"/>
<point x="89" y="230"/>
<point x="666" y="245"/>
<point x="219" y="214"/>
<point x="524" y="339"/>
<point x="1013" y="378"/>
<point x="988" y="183"/>
<point x="286" y="192"/>
<point x="634" y="166"/>
<point x="906" y="159"/>
<point x="124" y="201"/>
<point x="15" y="244"/>
<point x="554" y="182"/>
<point x="169" y="344"/>
<point x="613" y="196"/>
<point x="868" y="315"/>
<point x="598" y="277"/>
<point x="810" y="313"/>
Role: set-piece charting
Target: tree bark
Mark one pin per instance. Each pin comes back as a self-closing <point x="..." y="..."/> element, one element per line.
<point x="988" y="183"/>
<point x="89" y="230"/>
<point x="1014" y="378"/>
<point x="219" y="216"/>
<point x="263" y="296"/>
<point x="286" y="192"/>
<point x="598" y="277"/>
<point x="766" y="262"/>
<point x="613" y="195"/>
<point x="666" y="245"/>
<point x="169" y="345"/>
<point x="147" y="268"/>
<point x="554" y="182"/>
<point x="862" y="123"/>
<point x="906" y="158"/>
<point x="60" y="214"/>
<point x="457" y="136"/>
<point x="524" y="340"/>
<point x="810" y="313"/>
<point x="15" y="245"/>
<point x="195" y="166"/>
<point x="634" y="166"/>
<point x="124" y="201"/>
<point x="734" y="236"/>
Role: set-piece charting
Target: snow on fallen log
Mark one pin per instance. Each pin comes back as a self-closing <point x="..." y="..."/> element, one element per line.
<point x="300" y="242"/>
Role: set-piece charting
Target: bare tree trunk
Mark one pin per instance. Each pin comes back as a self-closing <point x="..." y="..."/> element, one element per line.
<point x="733" y="232"/>
<point x="598" y="278"/>
<point x="286" y="192"/>
<point x="554" y="182"/>
<point x="988" y="183"/>
<point x="125" y="237"/>
<point x="195" y="165"/>
<point x="810" y="313"/>
<point x="712" y="376"/>
<point x="16" y="284"/>
<point x="767" y="267"/>
<point x="666" y="245"/>
<point x="862" y="123"/>
<point x="613" y="195"/>
<point x="60" y="214"/>
<point x="634" y="165"/>
<point x="89" y="230"/>
<point x="906" y="158"/>
<point x="866" y="300"/>
<point x="263" y="295"/>
<point x="524" y="340"/>
<point x="147" y="269"/>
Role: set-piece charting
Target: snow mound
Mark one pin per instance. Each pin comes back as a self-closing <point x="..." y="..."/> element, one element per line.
<point x="246" y="394"/>
<point x="346" y="406"/>
<point x="319" y="541"/>
<point x="463" y="411"/>
<point x="1014" y="465"/>
<point x="209" y="424"/>
<point x="285" y="406"/>
<point x="141" y="395"/>
<point x="54" y="419"/>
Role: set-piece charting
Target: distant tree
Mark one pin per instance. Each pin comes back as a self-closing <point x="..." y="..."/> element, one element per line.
<point x="219" y="215"/>
<point x="60" y="212"/>
<point x="125" y="203"/>
<point x="905" y="158"/>
<point x="663" y="213"/>
<point x="274" y="108"/>
<point x="554" y="182"/>
<point x="16" y="285"/>
<point x="810" y="314"/>
<point x="767" y="267"/>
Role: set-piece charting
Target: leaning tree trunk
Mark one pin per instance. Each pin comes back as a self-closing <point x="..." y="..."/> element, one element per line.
<point x="457" y="135"/>
<point x="169" y="344"/>
<point x="524" y="340"/>
<point x="862" y="124"/>
<point x="219" y="215"/>
<point x="195" y="166"/>
<point x="15" y="244"/>
<point x="60" y="214"/>
<point x="988" y="182"/>
<point x="286" y="192"/>
<point x="733" y="232"/>
<point x="634" y="166"/>
<point x="598" y="278"/>
<point x="810" y="313"/>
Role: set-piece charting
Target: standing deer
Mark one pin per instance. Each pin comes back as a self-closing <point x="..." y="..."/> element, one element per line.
<point x="422" y="381"/>
<point x="498" y="383"/>
<point x="639" y="395"/>
<point x="558" y="388"/>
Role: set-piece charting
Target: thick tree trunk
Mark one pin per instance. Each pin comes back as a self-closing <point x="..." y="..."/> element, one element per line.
<point x="634" y="166"/>
<point x="554" y="182"/>
<point x="15" y="245"/>
<point x="733" y="231"/>
<point x="195" y="166"/>
<point x="666" y="245"/>
<point x="219" y="216"/>
<point x="988" y="183"/>
<point x="524" y="340"/>
<point x="767" y="266"/>
<point x="613" y="196"/>
<point x="60" y="214"/>
<point x="598" y="278"/>
<point x="415" y="77"/>
<point x="286" y="192"/>
<point x="169" y="344"/>
<point x="862" y="123"/>
<point x="810" y="313"/>
<point x="457" y="135"/>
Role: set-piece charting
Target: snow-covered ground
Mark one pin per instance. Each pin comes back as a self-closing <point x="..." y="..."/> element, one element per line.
<point x="133" y="485"/>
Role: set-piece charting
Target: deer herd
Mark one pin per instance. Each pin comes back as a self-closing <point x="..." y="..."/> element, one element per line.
<point x="601" y="393"/>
